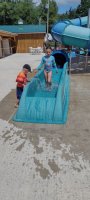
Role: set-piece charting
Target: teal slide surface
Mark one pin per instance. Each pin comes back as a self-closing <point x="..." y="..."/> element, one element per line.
<point x="40" y="104"/>
<point x="72" y="32"/>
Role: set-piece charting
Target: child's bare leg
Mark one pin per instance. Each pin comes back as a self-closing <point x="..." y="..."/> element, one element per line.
<point x="49" y="77"/>
<point x="17" y="103"/>
<point x="46" y="77"/>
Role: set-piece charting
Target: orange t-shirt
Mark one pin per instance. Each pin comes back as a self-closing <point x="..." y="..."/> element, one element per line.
<point x="21" y="79"/>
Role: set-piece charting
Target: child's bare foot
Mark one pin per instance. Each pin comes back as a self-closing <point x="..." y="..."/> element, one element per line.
<point x="16" y="105"/>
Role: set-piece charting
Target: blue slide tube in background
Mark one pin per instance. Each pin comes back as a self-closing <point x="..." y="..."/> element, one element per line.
<point x="72" y="32"/>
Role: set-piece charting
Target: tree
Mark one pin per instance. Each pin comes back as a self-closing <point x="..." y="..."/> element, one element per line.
<point x="11" y="12"/>
<point x="7" y="13"/>
<point x="82" y="9"/>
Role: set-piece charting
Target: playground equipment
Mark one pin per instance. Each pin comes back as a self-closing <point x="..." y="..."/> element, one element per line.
<point x="39" y="104"/>
<point x="72" y="32"/>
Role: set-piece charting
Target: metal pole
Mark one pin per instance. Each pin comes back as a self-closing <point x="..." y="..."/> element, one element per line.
<point x="70" y="64"/>
<point x="47" y="18"/>
<point x="89" y="18"/>
<point x="88" y="25"/>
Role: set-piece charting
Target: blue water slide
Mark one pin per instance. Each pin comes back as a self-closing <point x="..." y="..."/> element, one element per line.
<point x="72" y="32"/>
<point x="40" y="104"/>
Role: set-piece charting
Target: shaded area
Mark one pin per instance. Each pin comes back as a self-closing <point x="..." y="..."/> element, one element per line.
<point x="7" y="105"/>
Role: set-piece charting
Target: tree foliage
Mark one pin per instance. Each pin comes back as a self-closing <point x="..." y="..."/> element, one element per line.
<point x="12" y="10"/>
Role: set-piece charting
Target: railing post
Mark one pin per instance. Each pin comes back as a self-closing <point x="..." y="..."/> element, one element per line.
<point x="70" y="64"/>
<point x="86" y="60"/>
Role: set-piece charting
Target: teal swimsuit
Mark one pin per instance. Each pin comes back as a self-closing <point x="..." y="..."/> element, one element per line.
<point x="48" y="62"/>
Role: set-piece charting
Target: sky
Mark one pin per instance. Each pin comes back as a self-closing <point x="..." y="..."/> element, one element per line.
<point x="64" y="5"/>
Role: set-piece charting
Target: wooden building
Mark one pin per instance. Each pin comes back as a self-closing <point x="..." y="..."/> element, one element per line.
<point x="24" y="36"/>
<point x="7" y="43"/>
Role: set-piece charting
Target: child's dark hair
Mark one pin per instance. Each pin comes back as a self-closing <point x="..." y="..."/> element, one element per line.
<point x="26" y="66"/>
<point x="48" y="47"/>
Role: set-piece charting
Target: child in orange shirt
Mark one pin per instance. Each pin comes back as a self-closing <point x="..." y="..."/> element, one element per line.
<point x="21" y="82"/>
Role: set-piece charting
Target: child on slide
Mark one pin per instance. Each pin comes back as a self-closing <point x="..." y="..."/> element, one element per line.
<point x="48" y="62"/>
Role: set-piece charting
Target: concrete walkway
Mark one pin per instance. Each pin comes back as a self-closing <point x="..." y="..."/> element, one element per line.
<point x="44" y="162"/>
<point x="9" y="68"/>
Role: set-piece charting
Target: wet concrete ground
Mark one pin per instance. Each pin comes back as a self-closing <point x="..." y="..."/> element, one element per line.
<point x="43" y="161"/>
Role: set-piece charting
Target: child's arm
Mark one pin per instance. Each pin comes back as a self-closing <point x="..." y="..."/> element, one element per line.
<point x="19" y="79"/>
<point x="41" y="64"/>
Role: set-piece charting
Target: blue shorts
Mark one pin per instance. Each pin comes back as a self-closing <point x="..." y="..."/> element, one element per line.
<point x="19" y="91"/>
